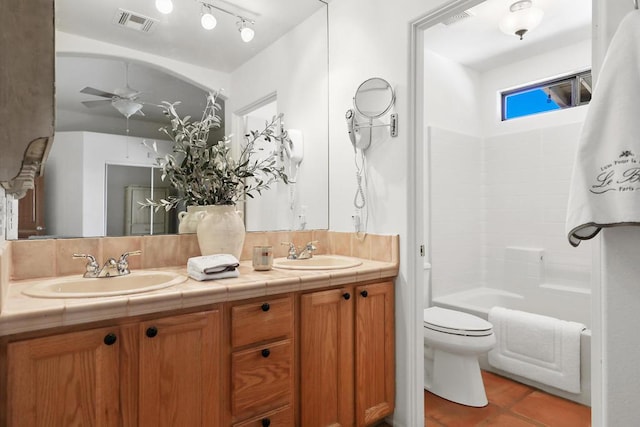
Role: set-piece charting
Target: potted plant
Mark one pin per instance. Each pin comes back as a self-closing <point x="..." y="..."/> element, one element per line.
<point x="210" y="180"/>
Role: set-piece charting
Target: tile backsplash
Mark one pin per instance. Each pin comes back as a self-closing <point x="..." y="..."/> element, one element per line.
<point x="30" y="259"/>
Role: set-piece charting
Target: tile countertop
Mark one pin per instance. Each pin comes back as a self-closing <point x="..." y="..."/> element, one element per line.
<point x="22" y="313"/>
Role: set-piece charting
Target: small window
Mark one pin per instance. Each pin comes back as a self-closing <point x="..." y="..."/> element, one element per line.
<point x="557" y="94"/>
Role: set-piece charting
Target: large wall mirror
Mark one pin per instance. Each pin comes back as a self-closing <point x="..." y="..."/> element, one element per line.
<point x="101" y="164"/>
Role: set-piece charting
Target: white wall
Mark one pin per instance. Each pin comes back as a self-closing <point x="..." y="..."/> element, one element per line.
<point x="72" y="44"/>
<point x="298" y="77"/>
<point x="526" y="190"/>
<point x="452" y="195"/>
<point x="370" y="38"/>
<point x="522" y="170"/>
<point x="65" y="185"/>
<point x="456" y="211"/>
<point x="556" y="63"/>
<point x="527" y="169"/>
<point x="81" y="211"/>
<point x="451" y="94"/>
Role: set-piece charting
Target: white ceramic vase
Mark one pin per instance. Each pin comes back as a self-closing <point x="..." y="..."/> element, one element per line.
<point x="189" y="219"/>
<point x="220" y="230"/>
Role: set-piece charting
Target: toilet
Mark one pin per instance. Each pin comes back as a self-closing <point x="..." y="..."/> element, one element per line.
<point x="453" y="341"/>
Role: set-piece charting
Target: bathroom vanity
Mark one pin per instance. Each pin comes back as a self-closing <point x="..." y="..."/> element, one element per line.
<point x="279" y="348"/>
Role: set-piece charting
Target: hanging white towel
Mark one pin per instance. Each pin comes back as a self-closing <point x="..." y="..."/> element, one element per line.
<point x="605" y="187"/>
<point x="541" y="348"/>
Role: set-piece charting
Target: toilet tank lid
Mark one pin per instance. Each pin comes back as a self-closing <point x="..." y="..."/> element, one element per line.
<point x="457" y="320"/>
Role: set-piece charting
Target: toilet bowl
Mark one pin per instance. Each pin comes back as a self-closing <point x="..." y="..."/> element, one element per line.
<point x="453" y="341"/>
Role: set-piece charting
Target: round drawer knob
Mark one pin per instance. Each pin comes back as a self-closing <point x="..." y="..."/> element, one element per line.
<point x="110" y="339"/>
<point x="266" y="422"/>
<point x="152" y="331"/>
<point x="266" y="352"/>
<point x="265" y="306"/>
<point x="364" y="293"/>
<point x="346" y="295"/>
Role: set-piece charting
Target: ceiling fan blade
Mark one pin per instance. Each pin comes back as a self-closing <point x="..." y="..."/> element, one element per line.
<point x="93" y="91"/>
<point x="139" y="112"/>
<point x="97" y="103"/>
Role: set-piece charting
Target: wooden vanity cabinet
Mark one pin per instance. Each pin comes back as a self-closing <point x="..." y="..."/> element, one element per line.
<point x="322" y="358"/>
<point x="158" y="372"/>
<point x="180" y="372"/>
<point x="261" y="358"/>
<point x="347" y="369"/>
<point x="66" y="379"/>
<point x="374" y="352"/>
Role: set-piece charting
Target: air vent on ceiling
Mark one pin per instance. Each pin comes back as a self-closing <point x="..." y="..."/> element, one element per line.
<point x="134" y="21"/>
<point x="458" y="17"/>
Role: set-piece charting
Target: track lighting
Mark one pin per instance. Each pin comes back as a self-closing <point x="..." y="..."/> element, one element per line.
<point x="164" y="6"/>
<point x="208" y="21"/>
<point x="246" y="32"/>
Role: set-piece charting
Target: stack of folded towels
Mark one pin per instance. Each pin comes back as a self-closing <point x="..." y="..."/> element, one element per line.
<point x="210" y="267"/>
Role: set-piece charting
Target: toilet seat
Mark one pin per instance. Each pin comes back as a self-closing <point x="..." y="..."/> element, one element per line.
<point x="456" y="322"/>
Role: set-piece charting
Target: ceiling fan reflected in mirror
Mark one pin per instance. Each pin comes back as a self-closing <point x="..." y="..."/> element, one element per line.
<point x="122" y="99"/>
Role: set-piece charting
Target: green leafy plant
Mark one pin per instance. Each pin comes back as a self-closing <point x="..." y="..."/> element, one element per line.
<point x="206" y="173"/>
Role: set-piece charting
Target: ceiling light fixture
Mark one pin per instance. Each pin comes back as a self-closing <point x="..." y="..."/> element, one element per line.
<point x="246" y="32"/>
<point x="127" y="107"/>
<point x="522" y="18"/>
<point x="164" y="6"/>
<point x="208" y="21"/>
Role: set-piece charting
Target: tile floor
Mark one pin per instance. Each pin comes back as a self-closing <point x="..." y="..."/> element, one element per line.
<point x="511" y="404"/>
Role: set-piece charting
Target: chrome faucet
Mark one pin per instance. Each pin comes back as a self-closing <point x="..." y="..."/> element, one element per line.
<point x="123" y="262"/>
<point x="305" y="253"/>
<point x="292" y="250"/>
<point x="92" y="267"/>
<point x="308" y="250"/>
<point x="111" y="267"/>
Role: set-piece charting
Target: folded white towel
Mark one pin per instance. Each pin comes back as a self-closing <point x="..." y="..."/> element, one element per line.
<point x="606" y="174"/>
<point x="197" y="275"/>
<point x="541" y="348"/>
<point x="209" y="264"/>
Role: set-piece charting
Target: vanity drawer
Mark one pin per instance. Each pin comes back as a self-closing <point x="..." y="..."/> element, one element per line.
<point x="261" y="379"/>
<point x="261" y="321"/>
<point x="282" y="417"/>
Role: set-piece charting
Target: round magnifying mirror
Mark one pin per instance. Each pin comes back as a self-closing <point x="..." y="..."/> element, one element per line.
<point x="374" y="98"/>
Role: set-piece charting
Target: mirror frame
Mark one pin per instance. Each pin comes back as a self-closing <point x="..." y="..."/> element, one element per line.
<point x="362" y="87"/>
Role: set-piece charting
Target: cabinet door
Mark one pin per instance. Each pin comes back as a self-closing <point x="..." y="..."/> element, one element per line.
<point x="326" y="358"/>
<point x="179" y="370"/>
<point x="375" y="367"/>
<point x="65" y="380"/>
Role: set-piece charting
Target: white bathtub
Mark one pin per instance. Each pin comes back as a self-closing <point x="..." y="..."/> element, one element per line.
<point x="559" y="302"/>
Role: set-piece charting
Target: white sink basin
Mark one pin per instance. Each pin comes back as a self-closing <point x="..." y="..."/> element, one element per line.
<point x="318" y="262"/>
<point x="80" y="287"/>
